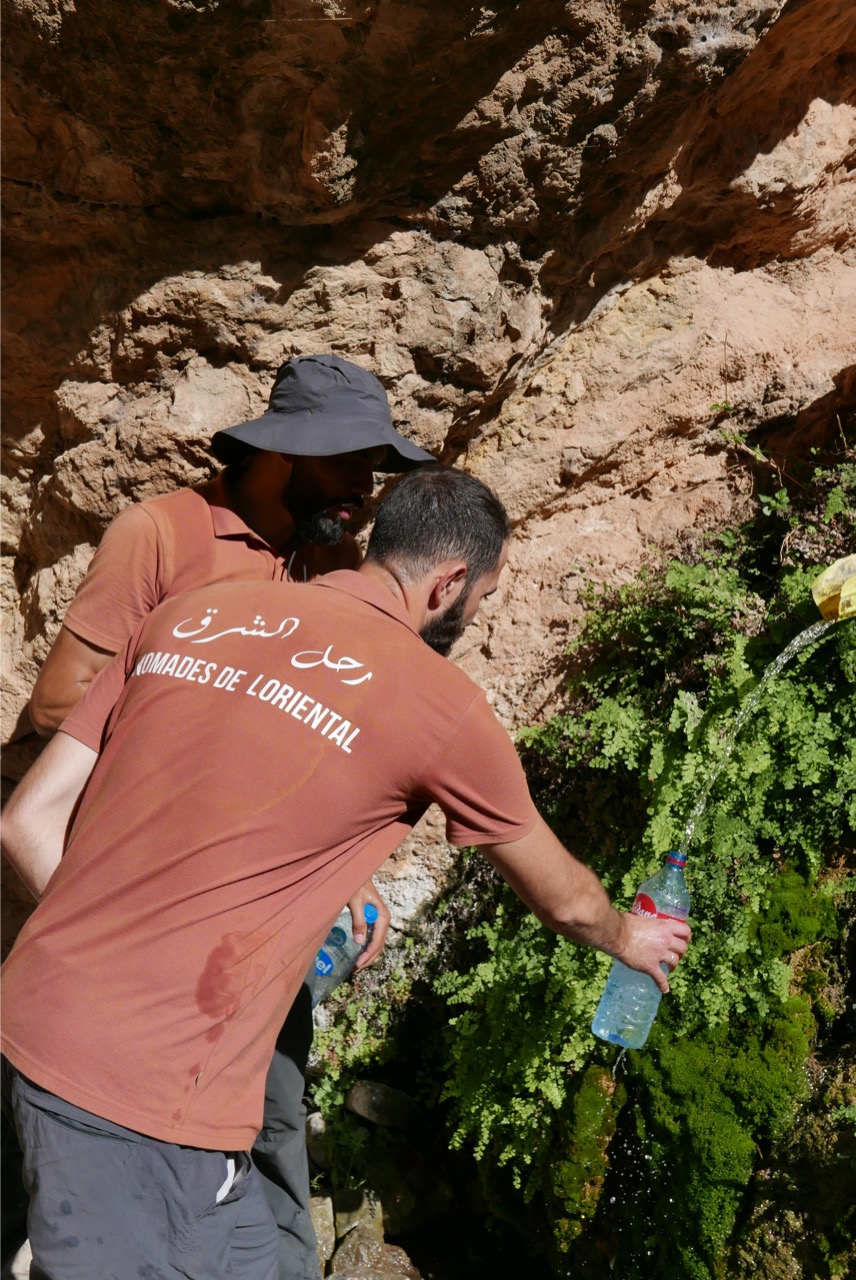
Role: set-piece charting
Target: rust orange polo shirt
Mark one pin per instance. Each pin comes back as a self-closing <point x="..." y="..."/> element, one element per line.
<point x="154" y="550"/>
<point x="264" y="747"/>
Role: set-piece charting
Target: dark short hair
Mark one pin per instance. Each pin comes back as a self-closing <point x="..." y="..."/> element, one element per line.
<point x="439" y="513"/>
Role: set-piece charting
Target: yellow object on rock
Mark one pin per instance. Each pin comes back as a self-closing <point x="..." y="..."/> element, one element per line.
<point x="834" y="590"/>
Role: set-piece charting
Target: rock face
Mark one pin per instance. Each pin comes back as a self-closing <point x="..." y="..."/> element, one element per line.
<point x="562" y="234"/>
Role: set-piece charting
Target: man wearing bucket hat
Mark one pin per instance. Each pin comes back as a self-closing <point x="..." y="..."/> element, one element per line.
<point x="292" y="480"/>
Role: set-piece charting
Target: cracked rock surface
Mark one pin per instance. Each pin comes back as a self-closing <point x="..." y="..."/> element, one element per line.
<point x="558" y="232"/>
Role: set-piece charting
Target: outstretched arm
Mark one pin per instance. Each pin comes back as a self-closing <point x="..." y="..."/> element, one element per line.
<point x="37" y="817"/>
<point x="568" y="897"/>
<point x="67" y="673"/>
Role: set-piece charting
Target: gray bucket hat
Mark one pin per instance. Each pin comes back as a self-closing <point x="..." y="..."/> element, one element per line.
<point x="319" y="406"/>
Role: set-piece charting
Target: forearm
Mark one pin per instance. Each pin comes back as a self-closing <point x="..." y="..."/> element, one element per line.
<point x="34" y="856"/>
<point x="37" y="817"/>
<point x="560" y="890"/>
<point x="568" y="897"/>
<point x="591" y="919"/>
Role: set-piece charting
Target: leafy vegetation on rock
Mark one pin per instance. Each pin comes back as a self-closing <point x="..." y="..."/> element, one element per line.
<point x="659" y="1168"/>
<point x="655" y="680"/>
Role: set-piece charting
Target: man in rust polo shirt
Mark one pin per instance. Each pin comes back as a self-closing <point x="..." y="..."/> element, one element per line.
<point x="255" y="753"/>
<point x="293" y="478"/>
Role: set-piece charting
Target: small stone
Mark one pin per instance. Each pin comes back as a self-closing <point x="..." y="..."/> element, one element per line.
<point x="358" y="1209"/>
<point x="317" y="1140"/>
<point x="363" y="1257"/>
<point x="382" y="1105"/>
<point x="360" y="1248"/>
<point x="324" y="1224"/>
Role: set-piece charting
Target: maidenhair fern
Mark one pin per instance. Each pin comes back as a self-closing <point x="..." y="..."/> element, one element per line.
<point x="656" y="677"/>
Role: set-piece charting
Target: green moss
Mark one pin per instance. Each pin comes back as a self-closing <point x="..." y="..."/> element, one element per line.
<point x="581" y="1162"/>
<point x="795" y="916"/>
<point x="706" y="1104"/>
<point x="800" y="1214"/>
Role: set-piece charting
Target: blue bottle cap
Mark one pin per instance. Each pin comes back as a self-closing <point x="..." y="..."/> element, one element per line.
<point x="677" y="859"/>
<point x="370" y="913"/>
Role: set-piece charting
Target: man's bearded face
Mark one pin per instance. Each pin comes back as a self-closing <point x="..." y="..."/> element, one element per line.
<point x="442" y="632"/>
<point x="323" y="493"/>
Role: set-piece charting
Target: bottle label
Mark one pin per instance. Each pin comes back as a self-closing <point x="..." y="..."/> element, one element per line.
<point x="323" y="964"/>
<point x="645" y="906"/>
<point x="337" y="936"/>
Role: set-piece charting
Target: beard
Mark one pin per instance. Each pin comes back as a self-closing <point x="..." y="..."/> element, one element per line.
<point x="321" y="529"/>
<point x="442" y="632"/>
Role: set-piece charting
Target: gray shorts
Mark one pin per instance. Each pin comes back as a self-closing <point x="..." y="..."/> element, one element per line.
<point x="110" y="1204"/>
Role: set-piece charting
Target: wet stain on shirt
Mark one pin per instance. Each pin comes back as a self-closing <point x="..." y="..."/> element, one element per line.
<point x="218" y="990"/>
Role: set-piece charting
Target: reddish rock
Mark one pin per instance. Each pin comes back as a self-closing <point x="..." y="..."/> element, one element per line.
<point x="560" y="233"/>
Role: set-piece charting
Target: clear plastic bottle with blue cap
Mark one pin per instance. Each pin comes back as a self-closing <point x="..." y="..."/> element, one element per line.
<point x="630" y="999"/>
<point x="338" y="955"/>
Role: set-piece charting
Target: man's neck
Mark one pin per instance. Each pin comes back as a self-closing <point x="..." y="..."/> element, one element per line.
<point x="413" y="597"/>
<point x="263" y="511"/>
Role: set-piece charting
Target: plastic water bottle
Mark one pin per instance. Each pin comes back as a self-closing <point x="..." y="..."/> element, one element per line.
<point x="337" y="957"/>
<point x="630" y="999"/>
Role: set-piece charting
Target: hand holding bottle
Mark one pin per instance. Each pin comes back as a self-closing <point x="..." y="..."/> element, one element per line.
<point x="657" y="936"/>
<point x="654" y="946"/>
<point x="371" y="940"/>
<point x="339" y="954"/>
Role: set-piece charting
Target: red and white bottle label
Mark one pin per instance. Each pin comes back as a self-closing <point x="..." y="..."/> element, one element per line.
<point x="645" y="906"/>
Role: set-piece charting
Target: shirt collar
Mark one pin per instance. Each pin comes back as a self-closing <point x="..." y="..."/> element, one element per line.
<point x="364" y="588"/>
<point x="224" y="519"/>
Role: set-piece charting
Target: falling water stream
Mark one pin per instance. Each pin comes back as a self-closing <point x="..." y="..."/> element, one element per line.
<point x="617" y="1063"/>
<point x="800" y="642"/>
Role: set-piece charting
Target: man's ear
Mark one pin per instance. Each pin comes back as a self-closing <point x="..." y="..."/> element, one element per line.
<point x="449" y="581"/>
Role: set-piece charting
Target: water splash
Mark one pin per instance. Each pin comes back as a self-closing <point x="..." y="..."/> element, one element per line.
<point x="802" y="641"/>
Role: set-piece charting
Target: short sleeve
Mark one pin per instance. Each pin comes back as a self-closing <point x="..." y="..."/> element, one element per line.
<point x="479" y="783"/>
<point x="124" y="582"/>
<point x="90" y="719"/>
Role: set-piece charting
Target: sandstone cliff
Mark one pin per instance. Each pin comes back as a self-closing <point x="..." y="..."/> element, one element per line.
<point x="561" y="233"/>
